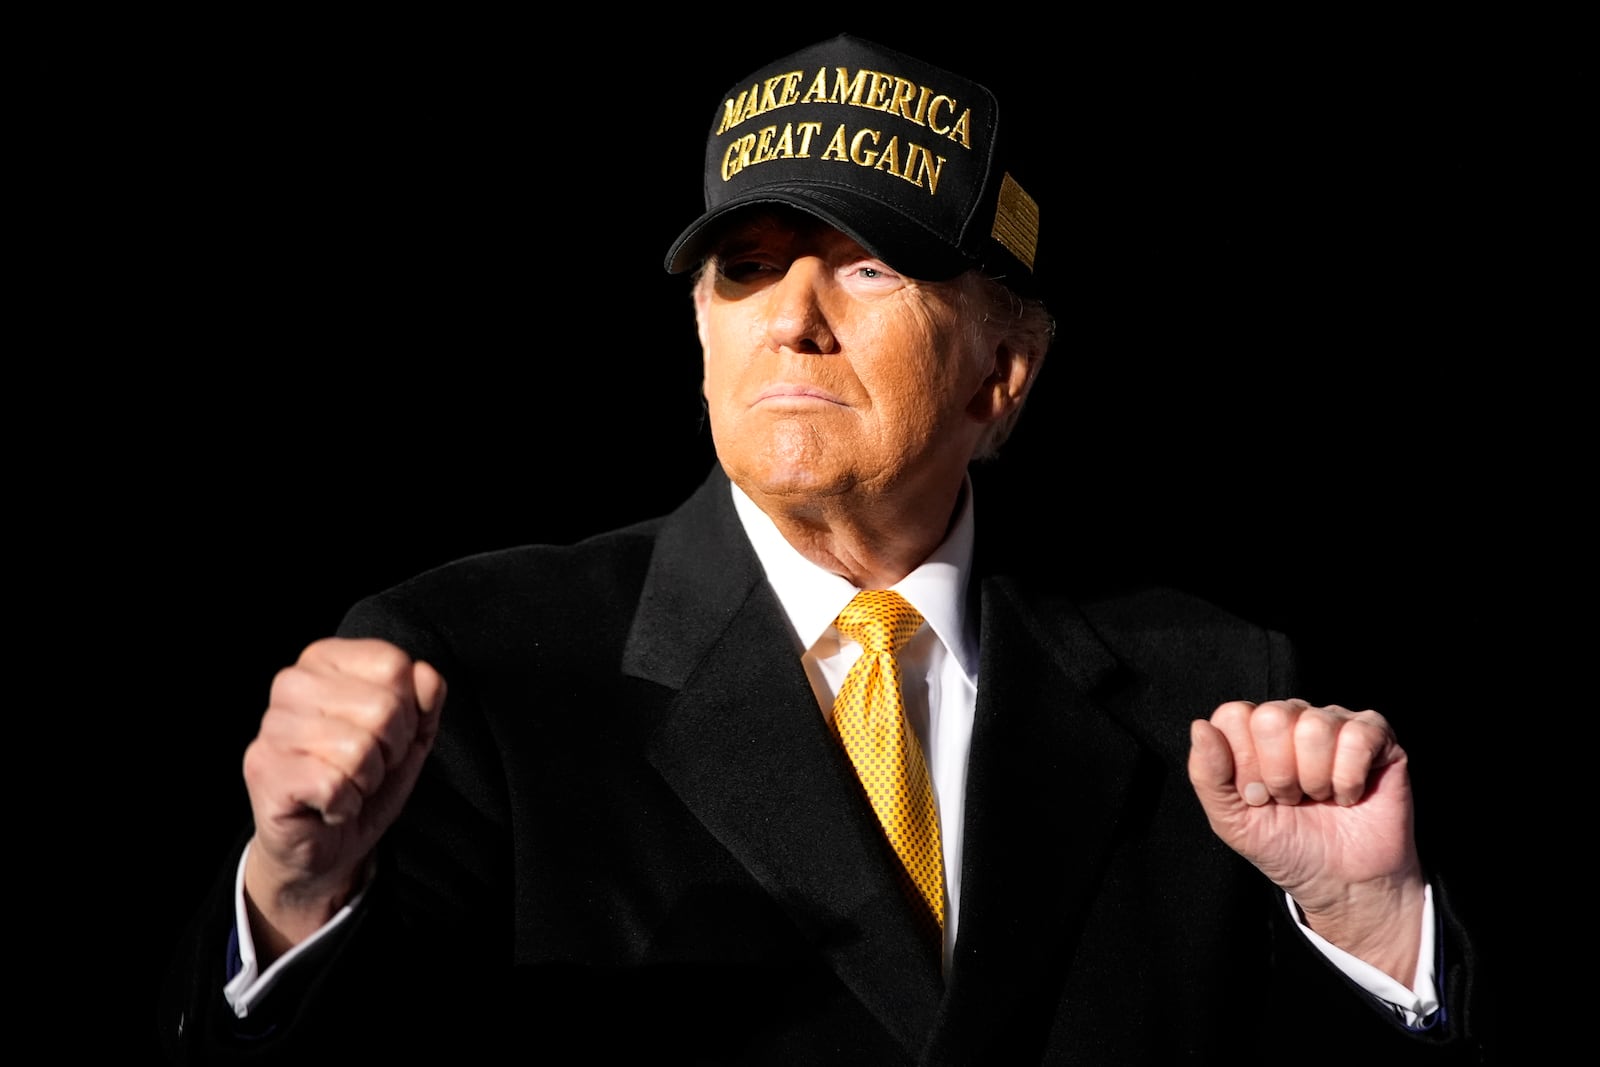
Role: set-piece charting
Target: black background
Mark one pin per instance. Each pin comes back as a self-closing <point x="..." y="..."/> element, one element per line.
<point x="310" y="306"/>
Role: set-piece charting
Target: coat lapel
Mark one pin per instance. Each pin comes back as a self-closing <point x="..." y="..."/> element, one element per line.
<point x="1049" y="771"/>
<point x="746" y="749"/>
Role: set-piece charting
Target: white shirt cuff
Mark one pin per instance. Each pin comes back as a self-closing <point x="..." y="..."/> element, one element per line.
<point x="1414" y="1005"/>
<point x="246" y="989"/>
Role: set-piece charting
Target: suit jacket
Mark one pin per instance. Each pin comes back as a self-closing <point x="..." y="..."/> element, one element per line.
<point x="637" y="839"/>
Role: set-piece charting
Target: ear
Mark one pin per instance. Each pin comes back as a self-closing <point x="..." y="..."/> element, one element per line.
<point x="1011" y="375"/>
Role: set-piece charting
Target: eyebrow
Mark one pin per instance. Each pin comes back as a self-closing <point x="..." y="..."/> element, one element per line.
<point x="757" y="223"/>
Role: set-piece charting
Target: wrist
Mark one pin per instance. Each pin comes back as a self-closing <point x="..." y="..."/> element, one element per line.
<point x="285" y="907"/>
<point x="1378" y="922"/>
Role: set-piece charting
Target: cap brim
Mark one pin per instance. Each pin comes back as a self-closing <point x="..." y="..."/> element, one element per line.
<point x="901" y="242"/>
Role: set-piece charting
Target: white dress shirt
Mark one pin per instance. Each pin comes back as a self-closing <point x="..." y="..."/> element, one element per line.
<point x="938" y="666"/>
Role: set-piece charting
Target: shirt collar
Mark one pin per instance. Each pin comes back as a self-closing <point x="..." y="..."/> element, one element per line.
<point x="813" y="597"/>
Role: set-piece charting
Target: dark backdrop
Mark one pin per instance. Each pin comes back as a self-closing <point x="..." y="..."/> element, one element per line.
<point x="313" y="306"/>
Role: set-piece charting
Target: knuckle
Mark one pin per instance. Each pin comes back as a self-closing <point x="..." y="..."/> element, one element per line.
<point x="1371" y="719"/>
<point x="285" y="682"/>
<point x="1271" y="720"/>
<point x="1313" y="730"/>
<point x="255" y="761"/>
<point x="368" y="775"/>
<point x="1231" y="714"/>
<point x="1278" y="780"/>
<point x="379" y="659"/>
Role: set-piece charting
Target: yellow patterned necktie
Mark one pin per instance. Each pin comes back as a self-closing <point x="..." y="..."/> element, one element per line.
<point x="870" y="718"/>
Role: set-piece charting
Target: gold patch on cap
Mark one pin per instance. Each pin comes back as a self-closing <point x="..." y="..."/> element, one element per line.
<point x="1016" y="221"/>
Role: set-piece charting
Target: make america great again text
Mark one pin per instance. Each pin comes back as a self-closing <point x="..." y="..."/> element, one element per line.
<point x="940" y="114"/>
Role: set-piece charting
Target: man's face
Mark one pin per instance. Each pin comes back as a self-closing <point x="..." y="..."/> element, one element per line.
<point x="827" y="373"/>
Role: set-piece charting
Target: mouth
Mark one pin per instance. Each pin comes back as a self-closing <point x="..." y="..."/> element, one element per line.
<point x="794" y="393"/>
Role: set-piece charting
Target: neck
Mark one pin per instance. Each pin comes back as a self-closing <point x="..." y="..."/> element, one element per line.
<point x="872" y="543"/>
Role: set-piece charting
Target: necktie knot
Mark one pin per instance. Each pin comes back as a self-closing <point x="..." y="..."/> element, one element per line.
<point x="880" y="619"/>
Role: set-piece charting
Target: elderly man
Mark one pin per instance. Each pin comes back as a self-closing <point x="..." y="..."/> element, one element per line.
<point x="815" y="769"/>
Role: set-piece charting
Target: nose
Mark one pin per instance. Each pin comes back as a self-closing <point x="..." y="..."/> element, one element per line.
<point x="795" y="317"/>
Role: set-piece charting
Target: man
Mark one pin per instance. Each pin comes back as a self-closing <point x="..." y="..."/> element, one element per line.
<point x="604" y="802"/>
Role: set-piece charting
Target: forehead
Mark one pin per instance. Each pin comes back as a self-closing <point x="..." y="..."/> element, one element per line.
<point x="778" y="224"/>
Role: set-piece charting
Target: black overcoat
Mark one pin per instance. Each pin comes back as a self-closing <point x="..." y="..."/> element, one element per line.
<point x="636" y="841"/>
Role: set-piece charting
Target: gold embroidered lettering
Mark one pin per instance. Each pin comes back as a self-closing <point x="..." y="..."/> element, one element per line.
<point x="903" y="92"/>
<point x="769" y="95"/>
<point x="817" y="91"/>
<point x="836" y="148"/>
<point x="873" y="89"/>
<point x="784" y="149"/>
<point x="862" y="156"/>
<point x="790" y="81"/>
<point x="847" y="90"/>
<point x="807" y="131"/>
<point x="963" y="129"/>
<point x="907" y="161"/>
<point x="920" y="163"/>
<point x="732" y="113"/>
<point x="890" y="159"/>
<point x="763" y="150"/>
<point x="919" y="115"/>
<point x="880" y="96"/>
<point x="737" y="157"/>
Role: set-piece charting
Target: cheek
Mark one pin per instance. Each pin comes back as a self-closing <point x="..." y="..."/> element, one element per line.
<point x="920" y="365"/>
<point x="719" y="362"/>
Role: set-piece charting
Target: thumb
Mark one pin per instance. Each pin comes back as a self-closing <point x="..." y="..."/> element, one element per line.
<point x="1211" y="768"/>
<point x="431" y="690"/>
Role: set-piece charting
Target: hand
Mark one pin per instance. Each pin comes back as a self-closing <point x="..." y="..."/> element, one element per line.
<point x="1319" y="799"/>
<point x="342" y="741"/>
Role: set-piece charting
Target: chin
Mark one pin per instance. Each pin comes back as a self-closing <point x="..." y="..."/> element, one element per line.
<point x="793" y="482"/>
<point x="790" y="459"/>
<point x="790" y="479"/>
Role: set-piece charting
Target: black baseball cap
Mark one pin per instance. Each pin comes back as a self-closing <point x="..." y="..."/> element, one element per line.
<point x="907" y="158"/>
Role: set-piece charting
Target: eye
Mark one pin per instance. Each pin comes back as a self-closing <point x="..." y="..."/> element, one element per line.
<point x="871" y="275"/>
<point x="743" y="269"/>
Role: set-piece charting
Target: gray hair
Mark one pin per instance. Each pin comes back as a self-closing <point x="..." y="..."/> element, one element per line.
<point x="1026" y="324"/>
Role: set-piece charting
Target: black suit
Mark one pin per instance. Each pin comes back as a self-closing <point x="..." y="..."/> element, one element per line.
<point x="637" y="838"/>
